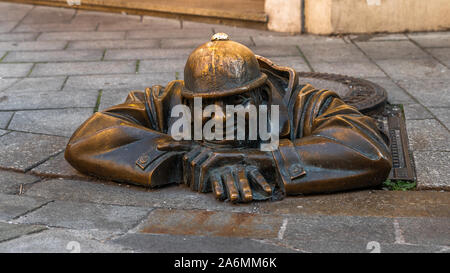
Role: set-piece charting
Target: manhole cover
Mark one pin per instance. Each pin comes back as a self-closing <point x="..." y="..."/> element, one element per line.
<point x="366" y="96"/>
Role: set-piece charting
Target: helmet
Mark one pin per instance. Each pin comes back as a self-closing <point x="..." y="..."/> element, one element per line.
<point x="221" y="68"/>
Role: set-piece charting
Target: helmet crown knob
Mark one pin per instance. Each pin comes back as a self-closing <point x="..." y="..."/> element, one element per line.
<point x="220" y="36"/>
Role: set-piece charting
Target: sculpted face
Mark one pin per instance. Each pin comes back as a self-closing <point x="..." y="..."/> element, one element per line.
<point x="241" y="105"/>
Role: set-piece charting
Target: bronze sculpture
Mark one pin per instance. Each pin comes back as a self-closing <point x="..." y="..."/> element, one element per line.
<point x="325" y="145"/>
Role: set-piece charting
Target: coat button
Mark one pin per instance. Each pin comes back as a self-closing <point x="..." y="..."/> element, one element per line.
<point x="296" y="170"/>
<point x="143" y="159"/>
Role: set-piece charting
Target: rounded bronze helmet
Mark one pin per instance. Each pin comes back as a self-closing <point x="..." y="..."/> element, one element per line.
<point x="221" y="68"/>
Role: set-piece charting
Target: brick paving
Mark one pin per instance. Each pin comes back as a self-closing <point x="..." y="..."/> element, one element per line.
<point x="58" y="66"/>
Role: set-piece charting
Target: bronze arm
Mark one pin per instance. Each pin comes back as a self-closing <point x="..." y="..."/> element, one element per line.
<point x="120" y="144"/>
<point x="332" y="147"/>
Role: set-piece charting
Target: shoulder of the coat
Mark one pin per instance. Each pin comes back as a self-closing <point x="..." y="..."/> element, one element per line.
<point x="135" y="96"/>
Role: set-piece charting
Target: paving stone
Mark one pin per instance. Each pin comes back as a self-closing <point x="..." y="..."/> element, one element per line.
<point x="406" y="248"/>
<point x="298" y="40"/>
<point x="396" y="95"/>
<point x="295" y="62"/>
<point x="12" y="231"/>
<point x="54" y="56"/>
<point x="81" y="35"/>
<point x="7" y="26"/>
<point x="140" y="54"/>
<point x="60" y="122"/>
<point x="57" y="166"/>
<point x="329" y="246"/>
<point x="278" y="51"/>
<point x="442" y="114"/>
<point x="56" y="27"/>
<point x="196" y="244"/>
<point x="414" y="69"/>
<point x="21" y="151"/>
<point x="17" y="100"/>
<point x="211" y="223"/>
<point x="333" y="52"/>
<point x="173" y="33"/>
<point x="235" y="32"/>
<point x="432" y="170"/>
<point x="3" y="54"/>
<point x="145" y="25"/>
<point x="432" y="42"/>
<point x="63" y="241"/>
<point x="12" y="206"/>
<point x="160" y="65"/>
<point x="425" y="231"/>
<point x="87" y="16"/>
<point x="37" y="84"/>
<point x="354" y="69"/>
<point x="431" y="39"/>
<point x="113" y="193"/>
<point x="111" y="44"/>
<point x="161" y="21"/>
<point x="5" y="117"/>
<point x="85" y="216"/>
<point x="33" y="45"/>
<point x="83" y="68"/>
<point x="427" y="135"/>
<point x="3" y="132"/>
<point x="442" y="54"/>
<point x="378" y="37"/>
<point x="15" y="70"/>
<point x="5" y="83"/>
<point x="368" y="203"/>
<point x="13" y="11"/>
<point x="112" y="97"/>
<point x="339" y="229"/>
<point x="10" y="181"/>
<point x="195" y="42"/>
<point x="42" y="14"/>
<point x="20" y="37"/>
<point x="232" y="31"/>
<point x="126" y="81"/>
<point x="429" y="34"/>
<point x="391" y="50"/>
<point x="416" y="111"/>
<point x="430" y="92"/>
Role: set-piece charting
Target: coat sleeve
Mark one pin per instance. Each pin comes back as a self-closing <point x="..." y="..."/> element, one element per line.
<point x="120" y="144"/>
<point x="332" y="147"/>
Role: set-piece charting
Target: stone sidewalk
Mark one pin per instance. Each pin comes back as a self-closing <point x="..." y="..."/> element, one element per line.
<point x="59" y="66"/>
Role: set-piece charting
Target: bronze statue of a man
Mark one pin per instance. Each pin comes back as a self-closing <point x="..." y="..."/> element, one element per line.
<point x="324" y="144"/>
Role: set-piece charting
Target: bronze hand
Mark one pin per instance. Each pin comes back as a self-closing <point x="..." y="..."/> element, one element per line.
<point x="239" y="183"/>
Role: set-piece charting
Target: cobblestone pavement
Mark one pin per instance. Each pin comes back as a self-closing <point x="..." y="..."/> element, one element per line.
<point x="58" y="66"/>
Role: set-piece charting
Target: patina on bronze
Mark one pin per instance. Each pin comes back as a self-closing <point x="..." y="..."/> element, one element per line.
<point x="325" y="145"/>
